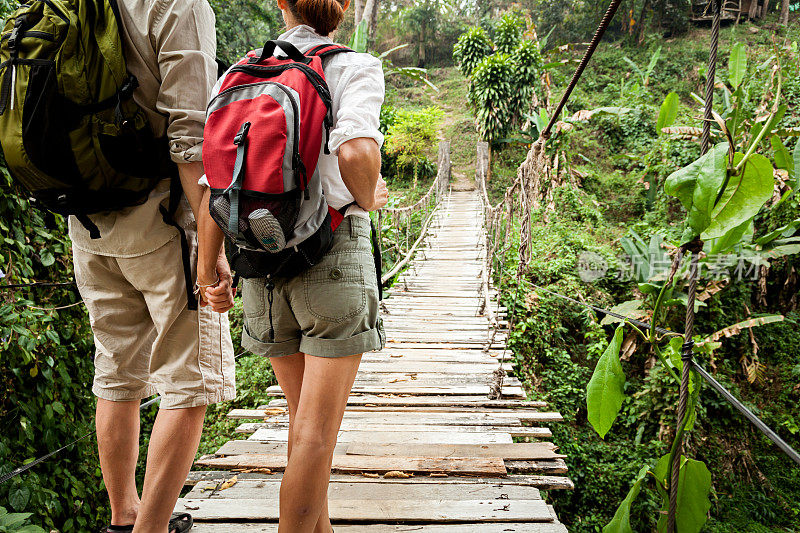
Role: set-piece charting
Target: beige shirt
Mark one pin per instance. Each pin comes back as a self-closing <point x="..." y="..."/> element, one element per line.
<point x="170" y="46"/>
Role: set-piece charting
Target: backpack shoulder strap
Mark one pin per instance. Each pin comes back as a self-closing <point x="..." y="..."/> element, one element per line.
<point x="325" y="51"/>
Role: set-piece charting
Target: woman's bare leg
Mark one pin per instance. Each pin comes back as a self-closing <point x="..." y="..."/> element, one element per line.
<point x="323" y="397"/>
<point x="289" y="372"/>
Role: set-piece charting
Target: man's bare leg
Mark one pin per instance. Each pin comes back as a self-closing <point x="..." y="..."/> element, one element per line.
<point x="173" y="446"/>
<point x="117" y="426"/>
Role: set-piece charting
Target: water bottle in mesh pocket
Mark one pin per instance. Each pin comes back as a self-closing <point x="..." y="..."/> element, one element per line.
<point x="265" y="224"/>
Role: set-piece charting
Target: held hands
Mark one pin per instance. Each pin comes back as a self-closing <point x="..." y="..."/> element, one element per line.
<point x="219" y="295"/>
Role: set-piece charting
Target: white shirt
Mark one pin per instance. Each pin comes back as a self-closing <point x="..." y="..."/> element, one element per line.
<point x="357" y="89"/>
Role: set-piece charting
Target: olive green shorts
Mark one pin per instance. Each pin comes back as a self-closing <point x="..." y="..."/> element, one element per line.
<point x="330" y="310"/>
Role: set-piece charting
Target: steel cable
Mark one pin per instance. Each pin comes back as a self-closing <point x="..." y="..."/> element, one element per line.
<point x="24" y="468"/>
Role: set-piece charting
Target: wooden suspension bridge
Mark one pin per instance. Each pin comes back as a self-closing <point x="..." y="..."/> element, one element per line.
<point x="422" y="446"/>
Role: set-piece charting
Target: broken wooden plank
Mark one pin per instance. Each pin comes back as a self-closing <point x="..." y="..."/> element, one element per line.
<point x="431" y="390"/>
<point x="540" y="482"/>
<point x="354" y="419"/>
<point x="546" y="467"/>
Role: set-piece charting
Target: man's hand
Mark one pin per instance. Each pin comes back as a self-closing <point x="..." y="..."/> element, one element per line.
<point x="220" y="295"/>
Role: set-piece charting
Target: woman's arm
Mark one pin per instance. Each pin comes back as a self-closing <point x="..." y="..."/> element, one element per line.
<point x="360" y="167"/>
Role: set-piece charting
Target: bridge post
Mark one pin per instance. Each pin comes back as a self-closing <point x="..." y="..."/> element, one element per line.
<point x="444" y="169"/>
<point x="482" y="168"/>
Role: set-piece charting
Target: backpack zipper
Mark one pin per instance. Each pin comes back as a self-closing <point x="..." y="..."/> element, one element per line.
<point x="297" y="162"/>
<point x="313" y="76"/>
<point x="317" y="81"/>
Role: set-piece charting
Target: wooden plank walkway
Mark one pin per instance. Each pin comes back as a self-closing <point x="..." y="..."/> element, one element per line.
<point x="421" y="447"/>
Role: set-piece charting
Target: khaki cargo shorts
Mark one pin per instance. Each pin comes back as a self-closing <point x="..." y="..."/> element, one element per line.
<point x="331" y="310"/>
<point x="147" y="340"/>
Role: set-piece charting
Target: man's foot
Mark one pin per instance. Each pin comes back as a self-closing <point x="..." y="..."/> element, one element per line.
<point x="180" y="523"/>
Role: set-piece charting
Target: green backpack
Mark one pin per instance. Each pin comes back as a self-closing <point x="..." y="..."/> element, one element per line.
<point x="69" y="128"/>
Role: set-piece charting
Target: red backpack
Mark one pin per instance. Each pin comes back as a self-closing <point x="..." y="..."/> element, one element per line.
<point x="262" y="140"/>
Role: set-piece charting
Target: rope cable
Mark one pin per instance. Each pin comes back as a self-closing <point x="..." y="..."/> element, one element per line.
<point x="37" y="284"/>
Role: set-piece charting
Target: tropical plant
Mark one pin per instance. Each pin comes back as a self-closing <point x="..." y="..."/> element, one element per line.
<point x="243" y="25"/>
<point x="17" y="523"/>
<point x="722" y="192"/>
<point x="421" y="20"/>
<point x="637" y="85"/>
<point x="508" y="32"/>
<point x="411" y="136"/>
<point x="472" y="47"/>
<point x="358" y="42"/>
<point x="492" y="93"/>
<point x="528" y="61"/>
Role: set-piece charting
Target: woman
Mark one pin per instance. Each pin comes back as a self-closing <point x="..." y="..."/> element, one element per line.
<point x="326" y="317"/>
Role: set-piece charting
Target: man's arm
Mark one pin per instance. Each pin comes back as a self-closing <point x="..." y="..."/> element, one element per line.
<point x="212" y="264"/>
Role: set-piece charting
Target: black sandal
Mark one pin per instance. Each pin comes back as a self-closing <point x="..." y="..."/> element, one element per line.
<point x="116" y="529"/>
<point x="180" y="523"/>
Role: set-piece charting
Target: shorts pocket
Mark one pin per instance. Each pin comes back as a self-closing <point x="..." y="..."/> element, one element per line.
<point x="335" y="293"/>
<point x="254" y="299"/>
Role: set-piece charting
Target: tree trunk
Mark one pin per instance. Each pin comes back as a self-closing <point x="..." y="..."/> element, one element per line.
<point x="359" y="11"/>
<point x="753" y="13"/>
<point x="785" y="12"/>
<point x="642" y="15"/>
<point x="764" y="9"/>
<point x="423" y="36"/>
<point x="373" y="18"/>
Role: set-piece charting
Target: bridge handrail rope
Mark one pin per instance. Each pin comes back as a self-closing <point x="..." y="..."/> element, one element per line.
<point x="426" y="206"/>
<point x="536" y="164"/>
<point x="687" y="355"/>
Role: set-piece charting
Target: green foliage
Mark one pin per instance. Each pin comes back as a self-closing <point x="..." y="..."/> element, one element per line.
<point x="621" y="523"/>
<point x="47" y="364"/>
<point x="359" y="40"/>
<point x="528" y="62"/>
<point x="605" y="391"/>
<point x="694" y="487"/>
<point x="493" y="95"/>
<point x="556" y="343"/>
<point x="17" y="523"/>
<point x="737" y="64"/>
<point x="508" y="32"/>
<point x="410" y="137"/>
<point x="697" y="187"/>
<point x="472" y="47"/>
<point x="668" y="112"/>
<point x="243" y="25"/>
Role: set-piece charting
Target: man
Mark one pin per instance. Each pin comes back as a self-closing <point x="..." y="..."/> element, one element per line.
<point x="149" y="338"/>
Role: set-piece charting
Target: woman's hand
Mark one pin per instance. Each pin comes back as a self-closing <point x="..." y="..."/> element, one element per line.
<point x="360" y="167"/>
<point x="381" y="196"/>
